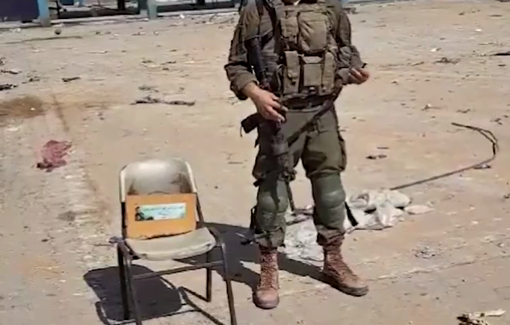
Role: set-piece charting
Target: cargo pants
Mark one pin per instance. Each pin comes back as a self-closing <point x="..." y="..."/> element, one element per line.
<point x="321" y="150"/>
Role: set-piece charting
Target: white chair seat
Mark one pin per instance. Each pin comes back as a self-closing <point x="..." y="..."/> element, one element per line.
<point x="191" y="244"/>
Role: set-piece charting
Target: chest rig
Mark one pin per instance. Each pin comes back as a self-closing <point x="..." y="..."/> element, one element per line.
<point x="307" y="51"/>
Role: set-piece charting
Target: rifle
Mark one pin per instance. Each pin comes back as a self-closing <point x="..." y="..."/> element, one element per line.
<point x="279" y="145"/>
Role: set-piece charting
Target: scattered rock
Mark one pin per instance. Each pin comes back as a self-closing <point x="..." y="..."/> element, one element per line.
<point x="32" y="79"/>
<point x="446" y="60"/>
<point x="2" y="60"/>
<point x="427" y="107"/>
<point x="11" y="71"/>
<point x="7" y="86"/>
<point x="464" y="111"/>
<point x="435" y="49"/>
<point x="425" y="252"/>
<point x="477" y="318"/>
<point x="153" y="100"/>
<point x="70" y="79"/>
<point x="148" y="88"/>
<point x="497" y="120"/>
<point x="58" y="31"/>
<point x="506" y="196"/>
<point x="418" y="209"/>
<point x="376" y="157"/>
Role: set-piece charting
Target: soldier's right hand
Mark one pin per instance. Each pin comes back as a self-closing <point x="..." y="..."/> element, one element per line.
<point x="266" y="102"/>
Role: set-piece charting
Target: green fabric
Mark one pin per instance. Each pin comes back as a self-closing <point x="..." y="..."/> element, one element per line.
<point x="322" y="152"/>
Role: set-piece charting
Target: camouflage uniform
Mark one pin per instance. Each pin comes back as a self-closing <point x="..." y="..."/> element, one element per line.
<point x="320" y="148"/>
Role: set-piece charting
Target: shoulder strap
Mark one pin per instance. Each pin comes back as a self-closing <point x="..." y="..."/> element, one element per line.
<point x="274" y="9"/>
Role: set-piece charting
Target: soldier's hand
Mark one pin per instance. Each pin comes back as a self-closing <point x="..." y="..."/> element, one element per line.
<point x="358" y="76"/>
<point x="266" y="102"/>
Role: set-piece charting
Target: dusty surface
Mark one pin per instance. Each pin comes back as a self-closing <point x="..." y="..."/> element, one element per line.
<point x="55" y="264"/>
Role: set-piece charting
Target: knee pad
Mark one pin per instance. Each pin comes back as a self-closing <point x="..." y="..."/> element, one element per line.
<point x="272" y="198"/>
<point x="328" y="192"/>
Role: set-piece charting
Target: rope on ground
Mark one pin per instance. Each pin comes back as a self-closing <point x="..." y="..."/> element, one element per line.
<point x="486" y="133"/>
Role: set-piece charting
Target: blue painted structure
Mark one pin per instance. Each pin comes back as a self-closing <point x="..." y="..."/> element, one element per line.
<point x="18" y="10"/>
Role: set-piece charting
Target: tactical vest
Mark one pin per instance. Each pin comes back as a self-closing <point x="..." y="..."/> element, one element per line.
<point x="306" y="51"/>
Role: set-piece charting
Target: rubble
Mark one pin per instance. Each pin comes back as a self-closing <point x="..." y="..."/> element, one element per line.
<point x="372" y="209"/>
<point x="446" y="60"/>
<point x="11" y="71"/>
<point x="477" y="318"/>
<point x="70" y="79"/>
<point x="7" y="86"/>
<point x="154" y="100"/>
<point x="376" y="157"/>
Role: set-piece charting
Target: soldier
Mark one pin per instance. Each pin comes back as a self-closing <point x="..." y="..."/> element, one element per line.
<point x="306" y="52"/>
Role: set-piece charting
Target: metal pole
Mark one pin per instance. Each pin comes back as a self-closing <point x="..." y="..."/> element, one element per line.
<point x="44" y="13"/>
<point x="152" y="8"/>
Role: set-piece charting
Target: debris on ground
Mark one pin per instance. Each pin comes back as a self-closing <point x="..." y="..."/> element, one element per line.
<point x="425" y="252"/>
<point x="506" y="196"/>
<point x="53" y="153"/>
<point x="497" y="120"/>
<point x="464" y="111"/>
<point x="33" y="78"/>
<point x="427" y="107"/>
<point x="70" y="79"/>
<point x="446" y="60"/>
<point x="11" y="71"/>
<point x="7" y="86"/>
<point x="372" y="209"/>
<point x="376" y="157"/>
<point x="58" y="31"/>
<point x="2" y="60"/>
<point x="477" y="318"/>
<point x="148" y="88"/>
<point x="418" y="209"/>
<point x="154" y="100"/>
<point x="507" y="53"/>
<point x="483" y="166"/>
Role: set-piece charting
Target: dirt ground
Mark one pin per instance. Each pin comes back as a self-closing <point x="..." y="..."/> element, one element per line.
<point x="56" y="266"/>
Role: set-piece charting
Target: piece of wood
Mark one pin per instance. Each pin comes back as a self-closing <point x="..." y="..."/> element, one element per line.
<point x="151" y="216"/>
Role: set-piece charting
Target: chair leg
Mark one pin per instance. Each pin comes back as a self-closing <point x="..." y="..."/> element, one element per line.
<point x="230" y="294"/>
<point x="123" y="285"/>
<point x="208" y="289"/>
<point x="132" y="293"/>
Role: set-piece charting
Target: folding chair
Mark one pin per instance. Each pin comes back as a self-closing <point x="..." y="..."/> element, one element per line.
<point x="156" y="177"/>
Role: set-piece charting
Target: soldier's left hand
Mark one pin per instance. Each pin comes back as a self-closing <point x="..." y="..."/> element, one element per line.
<point x="358" y="76"/>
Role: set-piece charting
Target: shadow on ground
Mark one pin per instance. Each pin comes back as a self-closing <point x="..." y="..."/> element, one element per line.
<point x="159" y="298"/>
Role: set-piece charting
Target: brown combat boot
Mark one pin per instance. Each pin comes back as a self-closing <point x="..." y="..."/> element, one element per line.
<point x="266" y="293"/>
<point x="338" y="274"/>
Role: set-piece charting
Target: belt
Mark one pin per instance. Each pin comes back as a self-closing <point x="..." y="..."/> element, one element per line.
<point x="305" y="104"/>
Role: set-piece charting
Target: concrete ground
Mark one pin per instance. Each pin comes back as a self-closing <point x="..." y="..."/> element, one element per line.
<point x="56" y="266"/>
